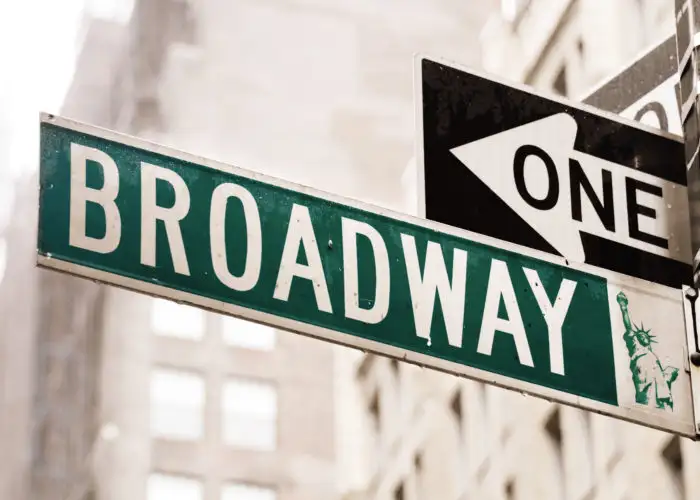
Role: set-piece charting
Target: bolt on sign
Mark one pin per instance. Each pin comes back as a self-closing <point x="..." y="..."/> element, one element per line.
<point x="158" y="221"/>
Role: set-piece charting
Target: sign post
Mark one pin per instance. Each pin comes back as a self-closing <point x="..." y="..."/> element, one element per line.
<point x="687" y="15"/>
<point x="148" y="218"/>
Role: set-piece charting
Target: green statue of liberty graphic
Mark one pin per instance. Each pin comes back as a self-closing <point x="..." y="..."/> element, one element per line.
<point x="650" y="377"/>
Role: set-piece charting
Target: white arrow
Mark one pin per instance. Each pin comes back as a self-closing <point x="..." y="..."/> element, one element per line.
<point x="492" y="160"/>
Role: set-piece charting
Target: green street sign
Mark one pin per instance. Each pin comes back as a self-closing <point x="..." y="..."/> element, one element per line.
<point x="130" y="213"/>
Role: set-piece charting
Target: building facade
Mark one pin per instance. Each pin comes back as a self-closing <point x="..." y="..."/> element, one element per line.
<point x="568" y="46"/>
<point x="193" y="405"/>
<point x="50" y="333"/>
<point x="114" y="395"/>
<point x="319" y="94"/>
<point x="436" y="436"/>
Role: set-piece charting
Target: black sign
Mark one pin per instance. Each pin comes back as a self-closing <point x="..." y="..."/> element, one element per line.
<point x="649" y="85"/>
<point x="504" y="161"/>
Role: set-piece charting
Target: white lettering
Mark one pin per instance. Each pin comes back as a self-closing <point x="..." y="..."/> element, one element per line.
<point x="554" y="315"/>
<point x="375" y="314"/>
<point x="499" y="286"/>
<point x="301" y="232"/>
<point x="80" y="195"/>
<point x="434" y="279"/>
<point x="171" y="217"/>
<point x="217" y="234"/>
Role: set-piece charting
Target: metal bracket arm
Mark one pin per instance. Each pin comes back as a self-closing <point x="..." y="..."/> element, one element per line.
<point x="692" y="326"/>
<point x="691" y="295"/>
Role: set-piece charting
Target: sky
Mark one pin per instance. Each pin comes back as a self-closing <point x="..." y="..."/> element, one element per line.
<point x="38" y="46"/>
<point x="39" y="42"/>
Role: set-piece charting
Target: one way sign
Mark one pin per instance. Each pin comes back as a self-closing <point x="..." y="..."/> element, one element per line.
<point x="562" y="177"/>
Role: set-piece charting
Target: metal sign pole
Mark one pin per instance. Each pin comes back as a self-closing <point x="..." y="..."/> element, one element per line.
<point x="687" y="16"/>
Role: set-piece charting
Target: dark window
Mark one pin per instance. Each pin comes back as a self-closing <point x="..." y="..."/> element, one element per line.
<point x="560" y="82"/>
<point x="510" y="490"/>
<point x="456" y="407"/>
<point x="418" y="462"/>
<point x="375" y="410"/>
<point x="674" y="460"/>
<point x="399" y="493"/>
<point x="553" y="429"/>
<point x="395" y="366"/>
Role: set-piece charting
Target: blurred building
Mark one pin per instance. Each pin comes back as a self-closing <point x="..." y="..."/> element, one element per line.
<point x="567" y="46"/>
<point x="435" y="436"/>
<point x="112" y="395"/>
<point x="197" y="406"/>
<point x="50" y="337"/>
<point x="318" y="93"/>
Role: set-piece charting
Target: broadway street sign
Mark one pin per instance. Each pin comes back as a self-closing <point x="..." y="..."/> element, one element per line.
<point x="553" y="175"/>
<point x="133" y="214"/>
<point x="646" y="90"/>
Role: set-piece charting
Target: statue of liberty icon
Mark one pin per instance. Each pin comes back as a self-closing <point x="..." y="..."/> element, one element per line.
<point x="651" y="379"/>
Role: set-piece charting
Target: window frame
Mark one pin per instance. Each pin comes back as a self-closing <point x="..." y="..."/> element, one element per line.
<point x="159" y="434"/>
<point x="191" y="336"/>
<point x="227" y="339"/>
<point x="248" y="484"/>
<point x="225" y="412"/>
<point x="186" y="477"/>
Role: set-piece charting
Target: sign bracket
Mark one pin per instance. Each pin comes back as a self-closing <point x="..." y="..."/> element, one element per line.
<point x="692" y="323"/>
<point x="691" y="295"/>
<point x="687" y="20"/>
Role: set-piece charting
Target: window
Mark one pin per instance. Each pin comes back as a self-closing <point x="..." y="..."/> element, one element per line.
<point x="559" y="84"/>
<point x="250" y="414"/>
<point x="513" y="10"/>
<point x="554" y="433"/>
<point x="375" y="413"/>
<point x="509" y="9"/>
<point x="247" y="492"/>
<point x="175" y="320"/>
<point x="374" y="421"/>
<point x="457" y="412"/>
<point x="487" y="418"/>
<point x="165" y="487"/>
<point x="674" y="463"/>
<point x="463" y="444"/>
<point x="612" y="444"/>
<point x="588" y="449"/>
<point x="511" y="492"/>
<point x="8" y="205"/>
<point x="479" y="426"/>
<point x="182" y="22"/>
<point x="177" y="404"/>
<point x="398" y="388"/>
<point x="394" y="366"/>
<point x="113" y="10"/>
<point x="3" y="258"/>
<point x="399" y="492"/>
<point x="418" y="478"/>
<point x="240" y="333"/>
<point x="456" y="407"/>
